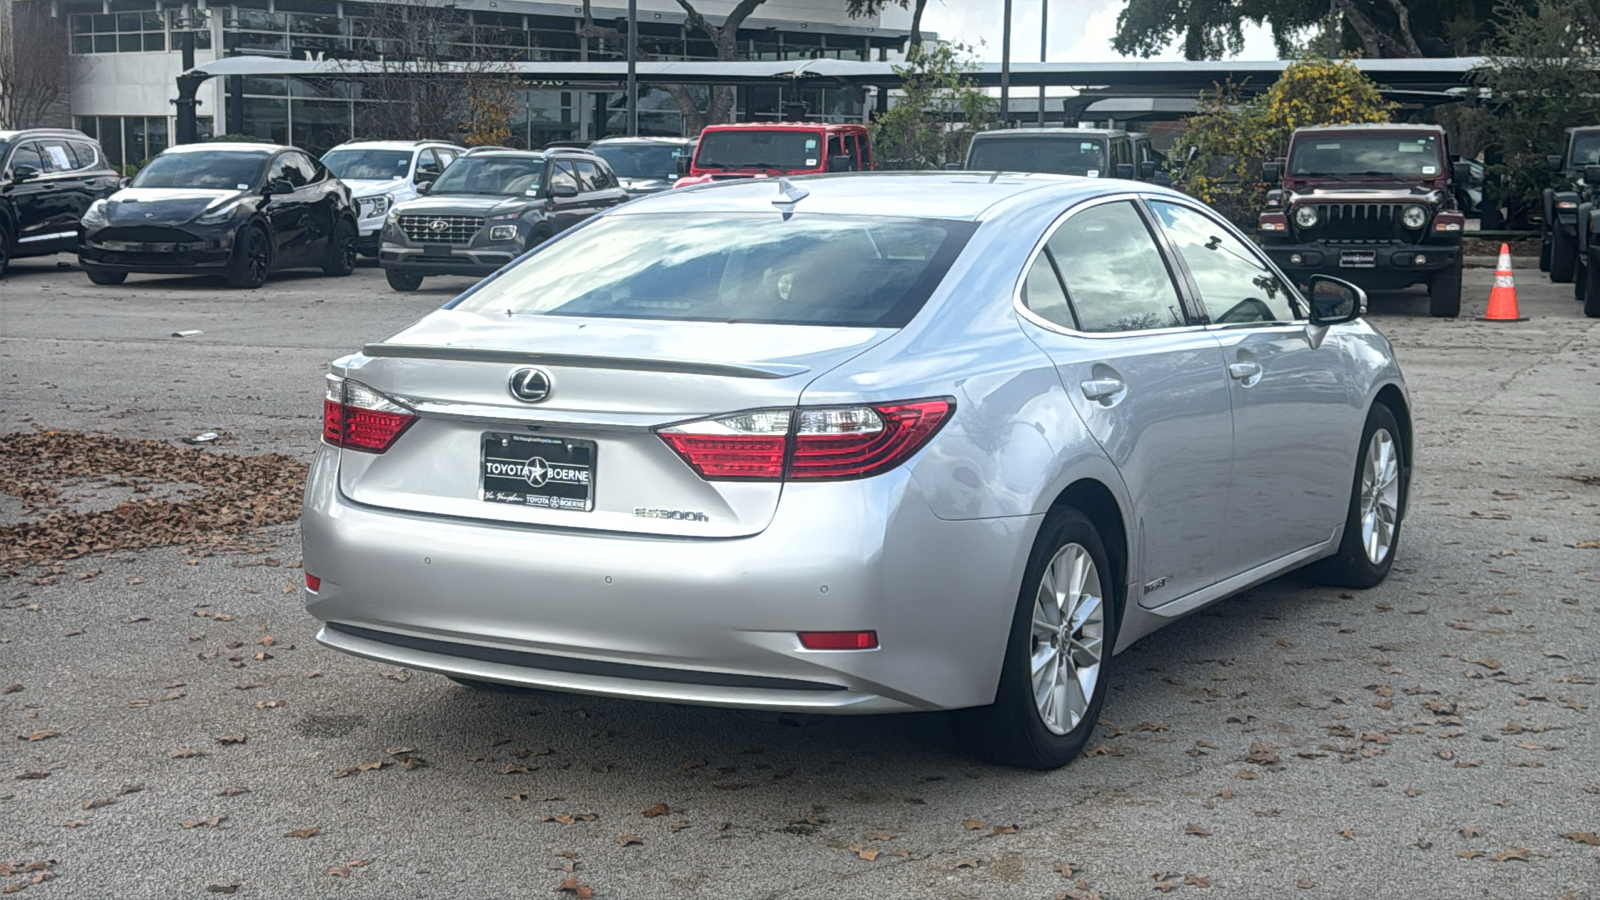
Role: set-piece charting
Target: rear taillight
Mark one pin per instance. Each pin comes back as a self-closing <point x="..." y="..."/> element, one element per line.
<point x="357" y="417"/>
<point x="820" y="443"/>
<point x="839" y="640"/>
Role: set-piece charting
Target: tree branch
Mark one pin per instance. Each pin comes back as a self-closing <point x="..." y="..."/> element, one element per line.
<point x="1404" y="15"/>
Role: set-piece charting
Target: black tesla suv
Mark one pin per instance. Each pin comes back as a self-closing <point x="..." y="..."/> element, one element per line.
<point x="233" y="209"/>
<point x="489" y="207"/>
<point x="48" y="177"/>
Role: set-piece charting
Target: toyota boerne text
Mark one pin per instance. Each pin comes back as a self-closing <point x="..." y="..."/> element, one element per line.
<point x="854" y="444"/>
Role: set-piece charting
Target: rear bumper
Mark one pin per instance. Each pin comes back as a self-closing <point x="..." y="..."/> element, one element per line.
<point x="1391" y="265"/>
<point x="709" y="622"/>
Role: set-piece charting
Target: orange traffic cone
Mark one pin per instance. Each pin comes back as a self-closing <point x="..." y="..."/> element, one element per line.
<point x="1503" y="296"/>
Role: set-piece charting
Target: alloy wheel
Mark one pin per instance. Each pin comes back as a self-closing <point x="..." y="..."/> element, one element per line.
<point x="1380" y="496"/>
<point x="1068" y="638"/>
<point x="256" y="257"/>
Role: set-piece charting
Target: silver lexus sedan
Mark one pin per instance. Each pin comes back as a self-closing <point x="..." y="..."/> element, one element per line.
<point x="854" y="444"/>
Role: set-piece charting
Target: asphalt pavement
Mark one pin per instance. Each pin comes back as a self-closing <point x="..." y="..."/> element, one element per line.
<point x="1433" y="737"/>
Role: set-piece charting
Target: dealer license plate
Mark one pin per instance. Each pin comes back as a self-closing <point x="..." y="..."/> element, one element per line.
<point x="535" y="470"/>
<point x="1358" y="259"/>
<point x="435" y="249"/>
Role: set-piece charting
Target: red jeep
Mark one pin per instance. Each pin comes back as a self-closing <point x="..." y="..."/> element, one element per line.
<point x="758" y="150"/>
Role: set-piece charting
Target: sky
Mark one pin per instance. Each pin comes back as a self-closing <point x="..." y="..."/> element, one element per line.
<point x="1080" y="30"/>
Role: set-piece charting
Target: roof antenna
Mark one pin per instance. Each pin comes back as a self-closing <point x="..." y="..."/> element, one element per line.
<point x="788" y="196"/>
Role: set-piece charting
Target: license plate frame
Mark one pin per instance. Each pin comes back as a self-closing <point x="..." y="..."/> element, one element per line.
<point x="1358" y="259"/>
<point x="437" y="250"/>
<point x="537" y="471"/>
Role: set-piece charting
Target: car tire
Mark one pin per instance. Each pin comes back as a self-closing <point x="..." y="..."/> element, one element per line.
<point x="402" y="281"/>
<point x="105" y="276"/>
<point x="252" y="258"/>
<point x="1591" y="290"/>
<point x="1377" y="508"/>
<point x="5" y="251"/>
<point x="1563" y="256"/>
<point x="1444" y="293"/>
<point x="1047" y="727"/>
<point x="535" y="238"/>
<point x="341" y="259"/>
<point x="1544" y="231"/>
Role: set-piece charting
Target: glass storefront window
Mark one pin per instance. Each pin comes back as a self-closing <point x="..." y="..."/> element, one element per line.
<point x="267" y="119"/>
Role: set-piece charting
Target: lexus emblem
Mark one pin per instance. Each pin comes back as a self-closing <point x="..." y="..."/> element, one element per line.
<point x="438" y="225"/>
<point x="530" y="385"/>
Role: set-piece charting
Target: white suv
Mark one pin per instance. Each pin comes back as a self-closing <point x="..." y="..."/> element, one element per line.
<point x="383" y="173"/>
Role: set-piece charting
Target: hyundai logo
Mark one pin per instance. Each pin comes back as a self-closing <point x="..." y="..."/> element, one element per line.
<point x="438" y="224"/>
<point x="529" y="385"/>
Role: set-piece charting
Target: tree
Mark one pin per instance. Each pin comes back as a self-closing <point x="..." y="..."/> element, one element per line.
<point x="938" y="110"/>
<point x="725" y="38"/>
<point x="1232" y="136"/>
<point x="692" y="103"/>
<point x="1542" y="78"/>
<point x="1211" y="29"/>
<point x="861" y="9"/>
<point x="33" y="64"/>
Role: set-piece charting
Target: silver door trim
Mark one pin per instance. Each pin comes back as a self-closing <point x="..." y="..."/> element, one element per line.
<point x="1248" y="578"/>
<point x="48" y="237"/>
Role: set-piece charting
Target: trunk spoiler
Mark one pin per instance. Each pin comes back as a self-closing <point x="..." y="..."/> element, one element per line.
<point x="516" y="357"/>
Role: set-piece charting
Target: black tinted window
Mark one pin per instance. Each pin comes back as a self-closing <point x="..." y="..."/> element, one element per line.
<point x="564" y="176"/>
<point x="589" y="176"/>
<point x="88" y="157"/>
<point x="28" y="155"/>
<point x="807" y="270"/>
<point x="212" y="170"/>
<point x="1058" y="155"/>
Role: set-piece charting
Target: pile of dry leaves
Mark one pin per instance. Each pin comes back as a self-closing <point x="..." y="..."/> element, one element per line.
<point x="239" y="494"/>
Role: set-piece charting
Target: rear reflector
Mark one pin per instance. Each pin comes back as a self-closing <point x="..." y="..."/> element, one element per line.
<point x="313" y="583"/>
<point x="357" y="417"/>
<point x="812" y="443"/>
<point x="839" y="640"/>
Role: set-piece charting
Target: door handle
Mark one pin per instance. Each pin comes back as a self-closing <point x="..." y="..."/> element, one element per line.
<point x="1101" y="388"/>
<point x="1241" y="371"/>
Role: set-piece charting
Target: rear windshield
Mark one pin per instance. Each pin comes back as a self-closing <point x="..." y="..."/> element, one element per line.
<point x="1054" y="155"/>
<point x="214" y="169"/>
<point x="806" y="270"/>
<point x="782" y="150"/>
<point x="1373" y="156"/>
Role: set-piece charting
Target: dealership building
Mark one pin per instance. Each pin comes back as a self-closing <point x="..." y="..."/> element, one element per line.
<point x="125" y="56"/>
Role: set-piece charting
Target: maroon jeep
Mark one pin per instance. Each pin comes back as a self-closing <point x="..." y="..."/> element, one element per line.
<point x="1371" y="204"/>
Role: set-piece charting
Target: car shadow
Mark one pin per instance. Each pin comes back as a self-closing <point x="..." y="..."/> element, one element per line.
<point x="1410" y="303"/>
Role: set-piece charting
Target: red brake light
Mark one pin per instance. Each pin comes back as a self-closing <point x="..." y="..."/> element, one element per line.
<point x="357" y="417"/>
<point x="313" y="583"/>
<point x="807" y="443"/>
<point x="839" y="640"/>
<point x="856" y="442"/>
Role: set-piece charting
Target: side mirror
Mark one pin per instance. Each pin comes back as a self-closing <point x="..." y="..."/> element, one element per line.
<point x="1334" y="301"/>
<point x="683" y="163"/>
<point x="425" y="177"/>
<point x="840" y="163"/>
<point x="1553" y="162"/>
<point x="1147" y="170"/>
<point x="563" y="191"/>
<point x="123" y="182"/>
<point x="1591" y="176"/>
<point x="278" y="186"/>
<point x="23" y="173"/>
<point x="1162" y="178"/>
<point x="424" y="187"/>
<point x="1272" y="172"/>
<point x="954" y="167"/>
<point x="1125" y="170"/>
<point x="1461" y="173"/>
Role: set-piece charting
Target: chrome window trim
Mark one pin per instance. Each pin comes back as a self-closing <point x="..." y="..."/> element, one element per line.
<point x="1038" y="248"/>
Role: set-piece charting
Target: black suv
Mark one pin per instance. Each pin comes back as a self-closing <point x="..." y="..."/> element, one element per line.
<point x="1091" y="152"/>
<point x="238" y="210"/>
<point x="1374" y="204"/>
<point x="1570" y="228"/>
<point x="491" y="206"/>
<point x="48" y="178"/>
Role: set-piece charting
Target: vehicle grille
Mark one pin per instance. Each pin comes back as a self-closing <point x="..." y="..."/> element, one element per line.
<point x="455" y="230"/>
<point x="1358" y="221"/>
<point x="144" y="234"/>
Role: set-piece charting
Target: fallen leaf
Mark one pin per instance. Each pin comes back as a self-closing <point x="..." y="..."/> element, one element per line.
<point x="1066" y="869"/>
<point x="232" y="791"/>
<point x="1262" y="755"/>
<point x="1471" y="831"/>
<point x="1348" y="834"/>
<point x="867" y="853"/>
<point x="187" y="753"/>
<point x="14" y="688"/>
<point x="968" y="863"/>
<point x="97" y="803"/>
<point x="224" y="888"/>
<point x="625" y="840"/>
<point x="39" y="735"/>
<point x="212" y="822"/>
<point x="339" y="871"/>
<point x="32" y="776"/>
<point x="570" y="885"/>
<point x="1199" y="881"/>
<point x="227" y="739"/>
<point x="1511" y="853"/>
<point x="303" y="832"/>
<point x="660" y="809"/>
<point x="1583" y="837"/>
<point x="1004" y="829"/>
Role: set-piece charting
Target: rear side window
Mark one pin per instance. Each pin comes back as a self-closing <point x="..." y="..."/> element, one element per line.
<point x="88" y="156"/>
<point x="58" y="156"/>
<point x="804" y="270"/>
<point x="1113" y="271"/>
